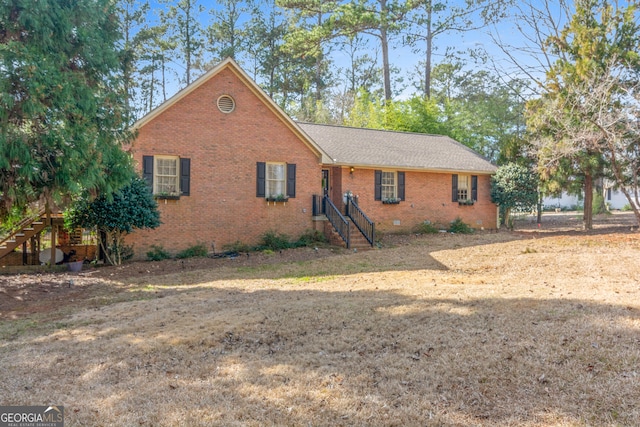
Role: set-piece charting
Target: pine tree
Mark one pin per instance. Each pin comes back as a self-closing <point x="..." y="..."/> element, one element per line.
<point x="186" y="31"/>
<point x="63" y="111"/>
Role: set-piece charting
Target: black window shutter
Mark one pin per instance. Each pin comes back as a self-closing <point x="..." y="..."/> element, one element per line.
<point x="377" y="189"/>
<point x="401" y="186"/>
<point x="454" y="188"/>
<point x="261" y="179"/>
<point x="185" y="177"/>
<point x="474" y="187"/>
<point x="147" y="170"/>
<point x="291" y="180"/>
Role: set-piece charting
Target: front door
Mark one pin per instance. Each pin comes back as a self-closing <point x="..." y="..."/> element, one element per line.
<point x="325" y="182"/>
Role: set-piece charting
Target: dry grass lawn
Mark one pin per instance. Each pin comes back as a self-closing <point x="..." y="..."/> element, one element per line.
<point x="520" y="329"/>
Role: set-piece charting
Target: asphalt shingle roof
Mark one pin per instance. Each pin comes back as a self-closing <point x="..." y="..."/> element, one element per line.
<point x="398" y="150"/>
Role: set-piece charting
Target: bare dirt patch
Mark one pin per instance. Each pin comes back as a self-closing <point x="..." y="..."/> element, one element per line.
<point x="536" y="327"/>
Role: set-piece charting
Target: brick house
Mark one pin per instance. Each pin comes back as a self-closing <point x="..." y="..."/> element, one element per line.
<point x="226" y="165"/>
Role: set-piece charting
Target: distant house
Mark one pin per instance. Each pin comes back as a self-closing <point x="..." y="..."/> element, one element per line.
<point x="614" y="199"/>
<point x="226" y="165"/>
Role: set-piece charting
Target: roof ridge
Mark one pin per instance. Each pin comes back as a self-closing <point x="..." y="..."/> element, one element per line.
<point x="374" y="129"/>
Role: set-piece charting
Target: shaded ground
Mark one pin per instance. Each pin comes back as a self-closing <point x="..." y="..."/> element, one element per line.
<point x="43" y="292"/>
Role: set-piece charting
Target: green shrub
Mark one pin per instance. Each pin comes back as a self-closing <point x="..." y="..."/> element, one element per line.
<point x="237" y="246"/>
<point x="460" y="227"/>
<point x="427" y="228"/>
<point x="310" y="238"/>
<point x="273" y="241"/>
<point x="598" y="206"/>
<point x="626" y="208"/>
<point x="157" y="253"/>
<point x="194" y="251"/>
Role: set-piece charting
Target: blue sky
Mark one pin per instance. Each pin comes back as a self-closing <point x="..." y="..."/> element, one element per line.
<point x="403" y="57"/>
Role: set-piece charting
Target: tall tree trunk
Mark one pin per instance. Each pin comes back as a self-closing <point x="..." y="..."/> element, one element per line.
<point x="188" y="55"/>
<point x="427" y="66"/>
<point x="318" y="76"/>
<point x="152" y="83"/>
<point x="587" y="218"/>
<point x="615" y="166"/>
<point x="507" y="220"/>
<point x="539" y="217"/>
<point x="634" y="207"/>
<point x="384" y="42"/>
<point x="47" y="210"/>
<point x="164" y="80"/>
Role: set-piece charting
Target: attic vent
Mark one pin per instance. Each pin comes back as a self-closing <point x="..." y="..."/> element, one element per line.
<point x="226" y="104"/>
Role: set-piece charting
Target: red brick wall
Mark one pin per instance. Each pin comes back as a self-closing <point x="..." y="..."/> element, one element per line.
<point x="224" y="148"/>
<point x="427" y="197"/>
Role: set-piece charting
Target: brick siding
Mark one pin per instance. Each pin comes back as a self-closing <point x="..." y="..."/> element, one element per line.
<point x="427" y="197"/>
<point x="222" y="207"/>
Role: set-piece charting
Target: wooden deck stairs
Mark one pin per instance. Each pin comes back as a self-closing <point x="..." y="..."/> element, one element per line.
<point x="25" y="230"/>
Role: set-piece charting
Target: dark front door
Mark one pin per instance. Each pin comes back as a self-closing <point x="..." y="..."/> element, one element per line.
<point x="325" y="182"/>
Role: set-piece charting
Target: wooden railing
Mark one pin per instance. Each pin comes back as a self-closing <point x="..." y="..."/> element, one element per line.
<point x="361" y="220"/>
<point x="19" y="226"/>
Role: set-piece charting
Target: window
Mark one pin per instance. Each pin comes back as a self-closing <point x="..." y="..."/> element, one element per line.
<point x="275" y="180"/>
<point x="389" y="186"/>
<point x="275" y="185"/>
<point x="167" y="175"/>
<point x="464" y="188"/>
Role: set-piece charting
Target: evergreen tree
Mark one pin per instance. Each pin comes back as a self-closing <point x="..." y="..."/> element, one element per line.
<point x="308" y="41"/>
<point x="132" y="207"/>
<point x="132" y="14"/>
<point x="588" y="111"/>
<point x="265" y="55"/>
<point x="381" y="19"/>
<point x="432" y="18"/>
<point x="185" y="31"/>
<point x="481" y="111"/>
<point x="514" y="187"/>
<point x="226" y="35"/>
<point x="156" y="51"/>
<point x="63" y="109"/>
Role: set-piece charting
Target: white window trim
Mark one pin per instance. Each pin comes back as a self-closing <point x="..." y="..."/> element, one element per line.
<point x="394" y="186"/>
<point x="464" y="191"/>
<point x="156" y="175"/>
<point x="268" y="180"/>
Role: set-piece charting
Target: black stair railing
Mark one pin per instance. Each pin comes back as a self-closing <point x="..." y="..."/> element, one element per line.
<point x="361" y="220"/>
<point x="319" y="204"/>
<point x="338" y="220"/>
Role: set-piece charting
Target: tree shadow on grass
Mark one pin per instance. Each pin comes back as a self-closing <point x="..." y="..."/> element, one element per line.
<point x="228" y="356"/>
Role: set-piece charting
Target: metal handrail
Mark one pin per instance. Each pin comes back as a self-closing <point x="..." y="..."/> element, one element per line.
<point x="318" y="207"/>
<point x="361" y="220"/>
<point x="338" y="220"/>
